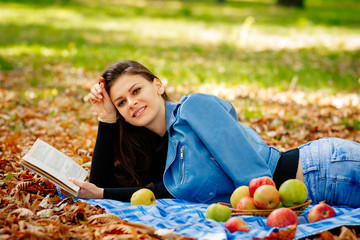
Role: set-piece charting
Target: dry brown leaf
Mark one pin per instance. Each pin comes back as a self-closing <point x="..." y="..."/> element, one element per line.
<point x="104" y="218"/>
<point x="327" y="236"/>
<point x="21" y="213"/>
<point x="45" y="213"/>
<point x="169" y="234"/>
<point x="283" y="234"/>
<point x="45" y="203"/>
<point x="344" y="234"/>
<point x="347" y="234"/>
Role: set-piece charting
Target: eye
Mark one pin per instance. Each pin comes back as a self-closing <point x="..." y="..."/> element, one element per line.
<point x="136" y="91"/>
<point x="121" y="103"/>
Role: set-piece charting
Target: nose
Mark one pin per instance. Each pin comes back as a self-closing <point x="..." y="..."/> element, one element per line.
<point x="132" y="102"/>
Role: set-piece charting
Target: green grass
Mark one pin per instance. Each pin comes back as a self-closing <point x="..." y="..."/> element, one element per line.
<point x="56" y="44"/>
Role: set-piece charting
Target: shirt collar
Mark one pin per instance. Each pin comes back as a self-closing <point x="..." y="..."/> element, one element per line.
<point x="169" y="109"/>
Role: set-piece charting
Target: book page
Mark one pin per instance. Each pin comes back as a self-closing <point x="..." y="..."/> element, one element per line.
<point x="56" y="163"/>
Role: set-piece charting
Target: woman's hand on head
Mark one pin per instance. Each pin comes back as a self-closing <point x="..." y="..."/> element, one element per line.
<point x="101" y="102"/>
<point x="88" y="190"/>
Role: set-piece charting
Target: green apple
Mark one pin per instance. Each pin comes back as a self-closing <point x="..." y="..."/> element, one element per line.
<point x="143" y="196"/>
<point x="218" y="212"/>
<point x="293" y="192"/>
<point x="240" y="192"/>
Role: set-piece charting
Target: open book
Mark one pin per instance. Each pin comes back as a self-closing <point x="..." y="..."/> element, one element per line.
<point x="54" y="165"/>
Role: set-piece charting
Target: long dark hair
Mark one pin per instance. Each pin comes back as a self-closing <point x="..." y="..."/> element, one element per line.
<point x="133" y="146"/>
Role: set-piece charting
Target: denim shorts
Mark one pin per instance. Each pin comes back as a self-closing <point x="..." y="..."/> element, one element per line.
<point x="331" y="168"/>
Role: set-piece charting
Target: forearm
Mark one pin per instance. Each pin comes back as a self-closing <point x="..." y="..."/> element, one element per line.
<point x="101" y="173"/>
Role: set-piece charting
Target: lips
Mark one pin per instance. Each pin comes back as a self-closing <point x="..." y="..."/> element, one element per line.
<point x="139" y="111"/>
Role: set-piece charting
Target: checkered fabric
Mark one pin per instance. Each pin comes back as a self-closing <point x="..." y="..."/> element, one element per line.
<point x="189" y="219"/>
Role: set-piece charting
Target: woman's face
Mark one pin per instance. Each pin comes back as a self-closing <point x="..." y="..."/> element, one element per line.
<point x="139" y="101"/>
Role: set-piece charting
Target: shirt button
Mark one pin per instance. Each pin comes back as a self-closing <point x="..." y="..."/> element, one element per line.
<point x="211" y="193"/>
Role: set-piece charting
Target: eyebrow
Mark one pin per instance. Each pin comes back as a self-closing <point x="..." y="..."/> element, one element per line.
<point x="128" y="91"/>
<point x="132" y="87"/>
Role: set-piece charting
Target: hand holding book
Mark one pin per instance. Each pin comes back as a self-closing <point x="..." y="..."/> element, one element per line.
<point x="55" y="166"/>
<point x="88" y="190"/>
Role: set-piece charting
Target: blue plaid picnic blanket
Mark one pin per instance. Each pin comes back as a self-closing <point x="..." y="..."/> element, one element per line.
<point x="189" y="219"/>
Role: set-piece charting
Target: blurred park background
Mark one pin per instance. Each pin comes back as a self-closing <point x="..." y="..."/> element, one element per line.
<point x="52" y="43"/>
<point x="290" y="71"/>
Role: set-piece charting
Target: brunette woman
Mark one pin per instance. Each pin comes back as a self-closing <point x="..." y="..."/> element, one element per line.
<point x="196" y="149"/>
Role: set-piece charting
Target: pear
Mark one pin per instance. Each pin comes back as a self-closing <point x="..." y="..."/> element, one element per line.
<point x="143" y="196"/>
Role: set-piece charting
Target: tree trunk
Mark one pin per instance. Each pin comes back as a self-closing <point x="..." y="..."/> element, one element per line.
<point x="293" y="3"/>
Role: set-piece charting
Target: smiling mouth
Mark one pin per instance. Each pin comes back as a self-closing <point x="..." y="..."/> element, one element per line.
<point x="139" y="111"/>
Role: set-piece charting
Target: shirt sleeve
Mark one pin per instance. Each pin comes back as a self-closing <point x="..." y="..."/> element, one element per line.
<point x="102" y="164"/>
<point x="102" y="174"/>
<point x="215" y="122"/>
<point x="124" y="194"/>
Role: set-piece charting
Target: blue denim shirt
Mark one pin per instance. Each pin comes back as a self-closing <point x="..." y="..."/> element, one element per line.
<point x="210" y="153"/>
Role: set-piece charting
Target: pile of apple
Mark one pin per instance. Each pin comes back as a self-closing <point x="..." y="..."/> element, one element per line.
<point x="261" y="193"/>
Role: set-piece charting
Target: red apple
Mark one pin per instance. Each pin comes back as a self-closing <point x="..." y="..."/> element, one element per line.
<point x="266" y="197"/>
<point x="320" y="211"/>
<point x="235" y="224"/>
<point x="282" y="217"/>
<point x="257" y="182"/>
<point x="246" y="203"/>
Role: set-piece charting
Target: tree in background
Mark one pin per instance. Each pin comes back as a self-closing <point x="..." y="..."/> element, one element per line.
<point x="294" y="3"/>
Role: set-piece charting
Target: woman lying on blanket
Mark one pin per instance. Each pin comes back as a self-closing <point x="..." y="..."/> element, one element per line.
<point x="196" y="149"/>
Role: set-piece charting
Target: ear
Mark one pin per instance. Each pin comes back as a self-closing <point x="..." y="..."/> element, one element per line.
<point x="160" y="87"/>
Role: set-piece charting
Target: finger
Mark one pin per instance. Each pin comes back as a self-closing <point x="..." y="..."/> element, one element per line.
<point x="93" y="99"/>
<point x="104" y="92"/>
<point x="75" y="181"/>
<point x="102" y="80"/>
<point x="106" y="96"/>
<point x="96" y="93"/>
<point x="98" y="88"/>
<point x="87" y="97"/>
